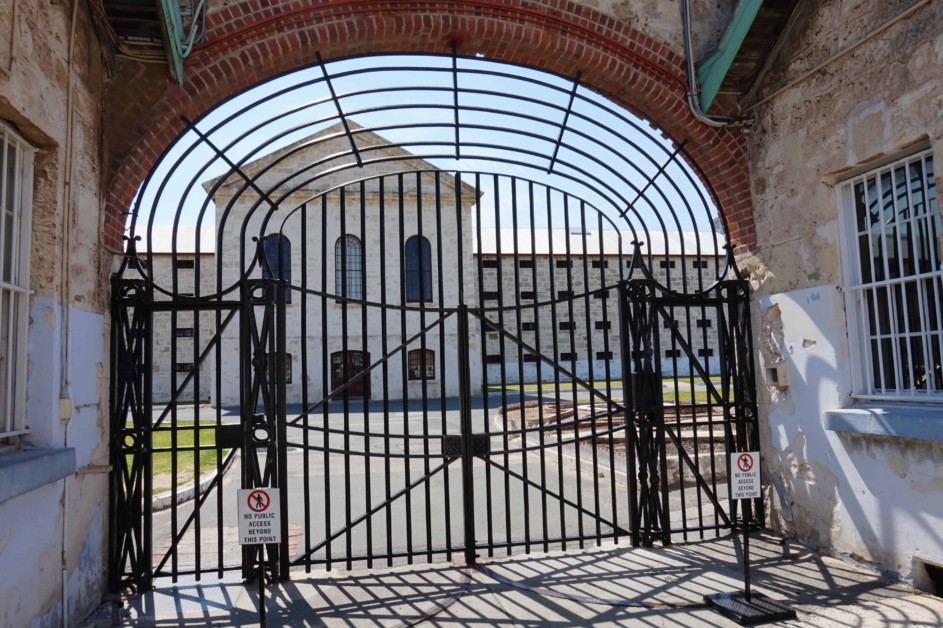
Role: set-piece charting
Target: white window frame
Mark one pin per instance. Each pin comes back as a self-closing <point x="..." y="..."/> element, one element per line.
<point x="14" y="286"/>
<point x="894" y="361"/>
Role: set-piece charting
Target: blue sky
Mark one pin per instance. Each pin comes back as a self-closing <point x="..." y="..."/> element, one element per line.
<point x="607" y="155"/>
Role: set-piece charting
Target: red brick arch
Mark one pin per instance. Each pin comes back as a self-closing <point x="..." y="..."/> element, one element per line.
<point x="250" y="41"/>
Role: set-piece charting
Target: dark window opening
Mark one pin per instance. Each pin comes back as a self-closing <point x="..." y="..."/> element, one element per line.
<point x="564" y="263"/>
<point x="705" y="322"/>
<point x="604" y="355"/>
<point x="528" y="326"/>
<point x="421" y="364"/>
<point x="490" y="295"/>
<point x="184" y="332"/>
<point x="705" y="352"/>
<point x="183" y="264"/>
<point x="564" y="294"/>
<point x="489" y="263"/>
<point x="597" y="263"/>
<point x="418" y="253"/>
<point x="603" y="325"/>
<point x="526" y="263"/>
<point x="530" y="357"/>
<point x="183" y="367"/>
<point x="567" y="326"/>
<point x="666" y="264"/>
<point x="528" y="295"/>
<point x="569" y="356"/>
<point x="672" y="353"/>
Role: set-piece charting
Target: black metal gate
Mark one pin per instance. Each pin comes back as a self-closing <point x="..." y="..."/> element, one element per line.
<point x="430" y="362"/>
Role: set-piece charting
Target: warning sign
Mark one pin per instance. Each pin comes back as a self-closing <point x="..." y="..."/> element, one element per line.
<point x="744" y="475"/>
<point x="259" y="516"/>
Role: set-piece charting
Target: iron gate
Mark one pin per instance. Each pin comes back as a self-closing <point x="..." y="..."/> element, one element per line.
<point x="429" y="362"/>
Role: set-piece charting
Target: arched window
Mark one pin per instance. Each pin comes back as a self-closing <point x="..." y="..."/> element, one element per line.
<point x="348" y="267"/>
<point x="421" y="364"/>
<point x="418" y="255"/>
<point x="277" y="250"/>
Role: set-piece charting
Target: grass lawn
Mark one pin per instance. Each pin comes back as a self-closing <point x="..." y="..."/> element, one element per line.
<point x="163" y="460"/>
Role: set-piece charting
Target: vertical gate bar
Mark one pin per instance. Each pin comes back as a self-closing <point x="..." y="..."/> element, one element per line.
<point x="571" y="291"/>
<point x="672" y="320"/>
<point x="661" y="434"/>
<point x="518" y="315"/>
<point x="348" y="374"/>
<point x="384" y="344"/>
<point x="630" y="402"/>
<point x="427" y="489"/>
<point x="554" y="352"/>
<point x="172" y="377"/>
<point x="459" y="229"/>
<point x="197" y="432"/>
<point x="590" y="358"/>
<point x="468" y="476"/>
<point x="305" y="399"/>
<point x="148" y="415"/>
<point x="326" y="378"/>
<point x="504" y="378"/>
<point x="404" y="365"/>
<point x="711" y="409"/>
<point x="486" y="397"/>
<point x="245" y="413"/>
<point x="218" y="390"/>
<point x="540" y="363"/>
<point x="367" y="457"/>
<point x="281" y="422"/>
<point x="727" y="407"/>
<point x="607" y="361"/>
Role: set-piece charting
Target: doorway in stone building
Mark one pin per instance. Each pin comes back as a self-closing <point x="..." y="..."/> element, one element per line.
<point x="450" y="307"/>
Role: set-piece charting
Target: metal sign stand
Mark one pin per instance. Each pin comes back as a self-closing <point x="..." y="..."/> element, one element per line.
<point x="259" y="525"/>
<point x="745" y="607"/>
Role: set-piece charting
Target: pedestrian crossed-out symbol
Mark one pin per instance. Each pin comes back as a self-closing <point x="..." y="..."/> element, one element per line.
<point x="745" y="462"/>
<point x="258" y="501"/>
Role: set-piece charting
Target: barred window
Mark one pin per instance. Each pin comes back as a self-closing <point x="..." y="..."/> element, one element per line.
<point x="16" y="186"/>
<point x="421" y="364"/>
<point x="892" y="247"/>
<point x="348" y="267"/>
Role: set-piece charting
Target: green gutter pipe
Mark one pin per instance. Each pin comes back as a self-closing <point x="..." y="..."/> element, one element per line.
<point x="713" y="70"/>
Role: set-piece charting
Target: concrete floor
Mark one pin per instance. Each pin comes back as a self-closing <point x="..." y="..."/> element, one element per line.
<point x="612" y="585"/>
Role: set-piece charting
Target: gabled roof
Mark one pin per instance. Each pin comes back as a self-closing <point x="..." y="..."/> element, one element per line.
<point x="329" y="149"/>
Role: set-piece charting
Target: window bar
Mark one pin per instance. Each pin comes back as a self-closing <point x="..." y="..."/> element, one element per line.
<point x="917" y="228"/>
<point x="496" y="182"/>
<point x="362" y="286"/>
<point x="874" y="292"/>
<point x="305" y="398"/>
<point x="571" y="289"/>
<point x="479" y="210"/>
<point x="423" y="298"/>
<point x="326" y="377"/>
<point x="384" y="344"/>
<point x="901" y="270"/>
<point x="407" y="444"/>
<point x="885" y="196"/>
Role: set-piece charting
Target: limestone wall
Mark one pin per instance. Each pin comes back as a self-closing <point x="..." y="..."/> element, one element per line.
<point x="53" y="538"/>
<point x="875" y="497"/>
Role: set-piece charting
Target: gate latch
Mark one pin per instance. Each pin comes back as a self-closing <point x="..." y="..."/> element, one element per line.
<point x="452" y="445"/>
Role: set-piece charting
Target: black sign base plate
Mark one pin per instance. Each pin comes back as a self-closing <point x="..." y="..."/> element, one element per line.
<point x="759" y="610"/>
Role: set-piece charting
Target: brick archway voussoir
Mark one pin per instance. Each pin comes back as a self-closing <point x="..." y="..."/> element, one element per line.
<point x="247" y="45"/>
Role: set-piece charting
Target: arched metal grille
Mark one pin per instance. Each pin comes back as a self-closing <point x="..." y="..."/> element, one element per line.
<point x="539" y="340"/>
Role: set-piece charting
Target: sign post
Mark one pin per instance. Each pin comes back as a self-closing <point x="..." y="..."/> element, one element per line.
<point x="747" y="608"/>
<point x="259" y="524"/>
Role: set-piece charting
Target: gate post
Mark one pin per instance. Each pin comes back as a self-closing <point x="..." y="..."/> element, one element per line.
<point x="262" y="379"/>
<point x="464" y="385"/>
<point x="641" y="372"/>
<point x="130" y="503"/>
